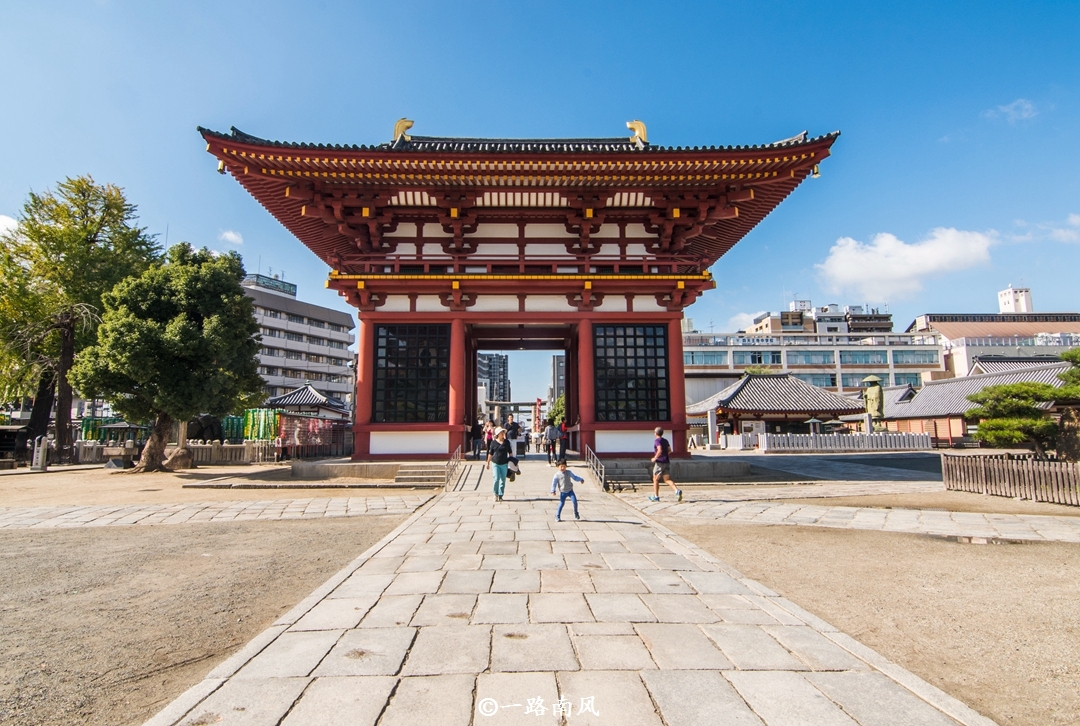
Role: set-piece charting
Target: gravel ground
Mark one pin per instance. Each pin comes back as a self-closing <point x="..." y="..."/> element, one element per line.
<point x="997" y="626"/>
<point x="950" y="501"/>
<point x="106" y="625"/>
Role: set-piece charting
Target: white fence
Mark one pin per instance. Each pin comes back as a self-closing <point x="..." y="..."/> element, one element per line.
<point x="844" y="442"/>
<point x="738" y="442"/>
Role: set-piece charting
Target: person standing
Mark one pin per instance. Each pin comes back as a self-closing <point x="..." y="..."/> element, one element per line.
<point x="551" y="441"/>
<point x="564" y="439"/>
<point x="499" y="455"/>
<point x="477" y="434"/>
<point x="564" y="484"/>
<point x="662" y="466"/>
<point x="513" y="431"/>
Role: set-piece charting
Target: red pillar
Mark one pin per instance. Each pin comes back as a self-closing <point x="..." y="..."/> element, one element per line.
<point x="676" y="387"/>
<point x="586" y="382"/>
<point x="365" y="382"/>
<point x="458" y="395"/>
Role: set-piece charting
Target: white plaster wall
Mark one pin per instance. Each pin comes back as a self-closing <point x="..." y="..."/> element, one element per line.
<point x="495" y="304"/>
<point x="495" y="250"/>
<point x="430" y="304"/>
<point x="395" y="304"/>
<point x="404" y="229"/>
<point x="410" y="442"/>
<point x="607" y="231"/>
<point x="547" y="304"/>
<point x="625" y="441"/>
<point x="546" y="230"/>
<point x="638" y="230"/>
<point x="496" y="230"/>
<point x="647" y="304"/>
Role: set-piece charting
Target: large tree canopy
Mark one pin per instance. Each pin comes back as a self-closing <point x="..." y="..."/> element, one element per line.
<point x="176" y="341"/>
<point x="70" y="247"/>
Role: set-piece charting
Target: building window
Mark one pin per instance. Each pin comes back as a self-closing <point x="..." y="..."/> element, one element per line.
<point x="316" y="323"/>
<point x="337" y="344"/>
<point x="296" y="318"/>
<point x="316" y="341"/>
<point x="855" y="380"/>
<point x="412" y="373"/>
<point x="631" y="372"/>
<point x="863" y="357"/>
<point x="270" y="332"/>
<point x="915" y="356"/>
<point x="270" y="313"/>
<point x="272" y="352"/>
<point x="907" y="379"/>
<point x="336" y="328"/>
<point x="294" y="355"/>
<point x="705" y="358"/>
<point x="810" y="358"/>
<point x="294" y="337"/>
<point x="312" y="358"/>
<point x="821" y="380"/>
<point x="756" y="357"/>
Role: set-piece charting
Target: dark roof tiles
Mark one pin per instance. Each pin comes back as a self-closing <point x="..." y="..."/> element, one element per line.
<point x="775" y="393"/>
<point x="305" y="395"/>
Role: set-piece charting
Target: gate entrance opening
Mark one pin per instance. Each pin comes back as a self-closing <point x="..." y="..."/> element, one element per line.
<point x="447" y="246"/>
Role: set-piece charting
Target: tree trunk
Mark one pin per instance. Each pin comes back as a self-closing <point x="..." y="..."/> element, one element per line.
<point x="63" y="388"/>
<point x="1068" y="447"/>
<point x="42" y="410"/>
<point x="153" y="454"/>
<point x="182" y="457"/>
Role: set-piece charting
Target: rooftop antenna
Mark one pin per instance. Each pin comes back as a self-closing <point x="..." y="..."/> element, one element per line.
<point x="166" y="236"/>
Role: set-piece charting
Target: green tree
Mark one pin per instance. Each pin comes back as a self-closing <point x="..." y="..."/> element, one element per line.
<point x="1015" y="414"/>
<point x="69" y="248"/>
<point x="176" y="341"/>
<point x="760" y="370"/>
<point x="1068" y="400"/>
<point x="558" y="410"/>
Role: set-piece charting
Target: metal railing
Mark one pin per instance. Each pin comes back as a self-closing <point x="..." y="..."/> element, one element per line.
<point x="452" y="467"/>
<point x="596" y="467"/>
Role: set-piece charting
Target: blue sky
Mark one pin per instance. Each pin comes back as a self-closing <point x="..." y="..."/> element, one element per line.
<point x="956" y="174"/>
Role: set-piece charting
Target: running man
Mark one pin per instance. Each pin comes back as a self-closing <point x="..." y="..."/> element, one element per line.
<point x="662" y="466"/>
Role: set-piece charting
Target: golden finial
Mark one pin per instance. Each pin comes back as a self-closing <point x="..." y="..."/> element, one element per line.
<point x="402" y="125"/>
<point x="638" y="127"/>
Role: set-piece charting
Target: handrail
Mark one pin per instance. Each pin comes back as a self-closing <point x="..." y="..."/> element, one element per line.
<point x="595" y="466"/>
<point x="452" y="467"/>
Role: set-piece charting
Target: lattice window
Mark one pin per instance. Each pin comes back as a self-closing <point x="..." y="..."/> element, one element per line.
<point x="412" y="374"/>
<point x="631" y="372"/>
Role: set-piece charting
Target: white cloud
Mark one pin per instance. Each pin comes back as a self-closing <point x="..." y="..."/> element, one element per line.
<point x="1067" y="231"/>
<point x="742" y="321"/>
<point x="888" y="268"/>
<point x="1059" y="234"/>
<point x="1073" y="220"/>
<point x="1019" y="110"/>
<point x="7" y="223"/>
<point x="233" y="238"/>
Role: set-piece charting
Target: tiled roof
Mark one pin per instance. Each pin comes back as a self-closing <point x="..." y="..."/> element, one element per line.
<point x="948" y="397"/>
<point x="776" y="393"/>
<point x="620" y="144"/>
<point x="982" y="364"/>
<point x="305" y="395"/>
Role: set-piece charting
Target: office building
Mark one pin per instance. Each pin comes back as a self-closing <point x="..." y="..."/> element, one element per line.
<point x="557" y="387"/>
<point x="301" y="342"/>
<point x="802" y="317"/>
<point x="493" y="372"/>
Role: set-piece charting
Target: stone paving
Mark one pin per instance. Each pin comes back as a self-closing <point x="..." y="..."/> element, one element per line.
<point x="968" y="525"/>
<point x="146" y="514"/>
<point x="765" y="492"/>
<point x="475" y="612"/>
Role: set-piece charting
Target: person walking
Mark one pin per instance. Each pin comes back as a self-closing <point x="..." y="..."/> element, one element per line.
<point x="499" y="455"/>
<point x="662" y="466"/>
<point x="551" y="441"/>
<point x="513" y="432"/>
<point x="564" y="484"/>
<point x="477" y="434"/>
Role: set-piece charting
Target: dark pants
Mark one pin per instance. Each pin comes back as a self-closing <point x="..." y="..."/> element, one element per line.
<point x="562" y="501"/>
<point x="563" y="443"/>
<point x="477" y="444"/>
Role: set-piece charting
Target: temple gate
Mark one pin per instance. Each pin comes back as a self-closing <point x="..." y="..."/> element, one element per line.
<point x="449" y="246"/>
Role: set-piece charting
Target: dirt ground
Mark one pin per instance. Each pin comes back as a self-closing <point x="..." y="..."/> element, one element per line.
<point x="996" y="626"/>
<point x="951" y="501"/>
<point x="106" y="625"/>
<point x="22" y="488"/>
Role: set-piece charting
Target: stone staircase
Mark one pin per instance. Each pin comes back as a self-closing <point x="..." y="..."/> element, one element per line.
<point x="620" y="475"/>
<point x="421" y="475"/>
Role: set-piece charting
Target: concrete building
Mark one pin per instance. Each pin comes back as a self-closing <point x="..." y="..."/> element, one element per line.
<point x="301" y="342"/>
<point x="966" y="336"/>
<point x="837" y="362"/>
<point x="803" y="317"/>
<point x="493" y="372"/>
<point x="557" y="387"/>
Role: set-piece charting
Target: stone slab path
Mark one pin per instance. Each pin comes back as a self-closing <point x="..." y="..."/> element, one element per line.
<point x="147" y="514"/>
<point x="479" y="613"/>
<point x="765" y="492"/>
<point x="968" y="525"/>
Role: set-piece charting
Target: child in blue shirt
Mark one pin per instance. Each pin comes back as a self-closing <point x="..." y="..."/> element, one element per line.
<point x="564" y="483"/>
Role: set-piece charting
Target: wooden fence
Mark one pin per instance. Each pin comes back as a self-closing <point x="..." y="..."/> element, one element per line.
<point x="1003" y="475"/>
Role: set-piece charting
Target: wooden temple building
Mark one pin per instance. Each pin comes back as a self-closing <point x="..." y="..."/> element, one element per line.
<point x="450" y="246"/>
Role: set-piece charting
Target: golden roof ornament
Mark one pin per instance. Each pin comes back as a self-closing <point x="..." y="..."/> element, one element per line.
<point x="641" y="136"/>
<point x="402" y="125"/>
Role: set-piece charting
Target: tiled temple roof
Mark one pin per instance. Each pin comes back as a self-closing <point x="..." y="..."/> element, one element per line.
<point x="776" y="393"/>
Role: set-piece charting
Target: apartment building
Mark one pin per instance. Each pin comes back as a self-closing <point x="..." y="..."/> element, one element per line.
<point x="301" y="342"/>
<point x="557" y="387"/>
<point x="802" y="317"/>
<point x="493" y="371"/>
